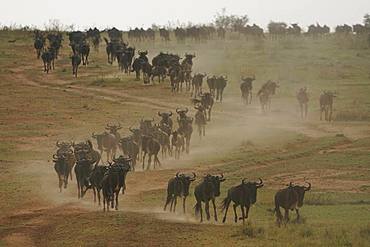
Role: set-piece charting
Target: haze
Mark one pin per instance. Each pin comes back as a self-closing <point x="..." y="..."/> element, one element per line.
<point x="126" y="14"/>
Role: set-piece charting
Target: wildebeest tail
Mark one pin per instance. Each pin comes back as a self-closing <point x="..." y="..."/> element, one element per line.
<point x="225" y="203"/>
<point x="277" y="210"/>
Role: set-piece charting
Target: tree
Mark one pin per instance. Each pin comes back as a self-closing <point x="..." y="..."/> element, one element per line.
<point x="367" y="20"/>
<point x="236" y="22"/>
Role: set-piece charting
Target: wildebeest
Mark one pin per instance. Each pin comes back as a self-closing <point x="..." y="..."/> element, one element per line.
<point x="160" y="72"/>
<point x="176" y="78"/>
<point x="211" y="82"/>
<point x="86" y="159"/>
<point x="326" y="105"/>
<point x="207" y="191"/>
<point x="131" y="149"/>
<point x="47" y="57"/>
<point x="164" y="140"/>
<point x="125" y="61"/>
<point x="178" y="187"/>
<point x="84" y="51"/>
<point x="187" y="65"/>
<point x="146" y="68"/>
<point x="185" y="129"/>
<point x="200" y="120"/>
<point x="96" y="180"/>
<point x="166" y="118"/>
<point x="246" y="89"/>
<point x="177" y="142"/>
<point x="76" y="61"/>
<point x="267" y="90"/>
<point x="151" y="147"/>
<point x="108" y="142"/>
<point x="65" y="150"/>
<point x="114" y="181"/>
<point x="62" y="169"/>
<point x="197" y="84"/>
<point x="164" y="34"/>
<point x="302" y="97"/>
<point x="39" y="45"/>
<point x="243" y="195"/>
<point x="94" y="36"/>
<point x="290" y="198"/>
<point x="220" y="84"/>
<point x="55" y="42"/>
<point x="206" y="101"/>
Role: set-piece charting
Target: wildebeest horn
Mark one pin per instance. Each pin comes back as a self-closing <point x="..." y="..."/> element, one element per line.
<point x="309" y="187"/>
<point x="170" y="113"/>
<point x="55" y="157"/>
<point x="159" y="113"/>
<point x="177" y="174"/>
<point x="177" y="110"/>
<point x="57" y="144"/>
<point x="243" y="181"/>
<point x="260" y="184"/>
<point x="194" y="175"/>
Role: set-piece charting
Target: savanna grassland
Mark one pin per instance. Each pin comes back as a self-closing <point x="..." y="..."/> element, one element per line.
<point x="37" y="109"/>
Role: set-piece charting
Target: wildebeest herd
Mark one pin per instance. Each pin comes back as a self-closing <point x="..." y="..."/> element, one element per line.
<point x="147" y="141"/>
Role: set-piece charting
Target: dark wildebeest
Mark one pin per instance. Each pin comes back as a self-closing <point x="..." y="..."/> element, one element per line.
<point x="166" y="118"/>
<point x="125" y="61"/>
<point x="243" y="195"/>
<point x="86" y="159"/>
<point x="177" y="141"/>
<point x="207" y="191"/>
<point x="187" y="65"/>
<point x="131" y="149"/>
<point x="160" y="72"/>
<point x="200" y="120"/>
<point x="39" y="45"/>
<point x="65" y="150"/>
<point x="151" y="147"/>
<point x="185" y="128"/>
<point x="114" y="180"/>
<point x="220" y="84"/>
<point x="62" y="169"/>
<point x="267" y="90"/>
<point x="137" y="138"/>
<point x="178" y="187"/>
<point x="96" y="179"/>
<point x="246" y="89"/>
<point x="302" y="97"/>
<point x="197" y="84"/>
<point x="164" y="140"/>
<point x="108" y="142"/>
<point x="211" y="82"/>
<point x="290" y="198"/>
<point x="326" y="105"/>
<point x="76" y="61"/>
<point x="47" y="57"/>
<point x="84" y="51"/>
<point x="175" y="74"/>
<point x="146" y="68"/>
<point x="206" y="101"/>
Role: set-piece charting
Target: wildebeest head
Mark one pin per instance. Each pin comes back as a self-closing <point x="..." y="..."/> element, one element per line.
<point x="252" y="189"/>
<point x="165" y="116"/>
<point x="123" y="162"/>
<point x="300" y="190"/>
<point x="113" y="128"/>
<point x="248" y="79"/>
<point x="216" y="181"/>
<point x="182" y="112"/>
<point x="186" y="180"/>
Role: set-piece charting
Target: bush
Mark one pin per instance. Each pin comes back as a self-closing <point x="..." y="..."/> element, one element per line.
<point x="253" y="231"/>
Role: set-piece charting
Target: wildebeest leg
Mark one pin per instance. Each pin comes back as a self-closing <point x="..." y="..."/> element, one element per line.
<point x="286" y="216"/>
<point x="330" y="112"/>
<point x="149" y="162"/>
<point x="117" y="193"/>
<point x="175" y="203"/>
<point x="60" y="182"/>
<point x="183" y="203"/>
<point x="226" y="209"/>
<point x="250" y="98"/>
<point x="78" y="187"/>
<point x="214" y="209"/>
<point x="157" y="160"/>
<point x="206" y="208"/>
<point x="144" y="160"/>
<point x="200" y="131"/>
<point x="235" y="214"/>
<point x="305" y="110"/>
<point x="204" y="130"/>
<point x="94" y="194"/>
<point x="321" y="110"/>
<point x="98" y="190"/>
<point x="243" y="214"/>
<point x="221" y="93"/>
<point x="168" y="200"/>
<point x="298" y="216"/>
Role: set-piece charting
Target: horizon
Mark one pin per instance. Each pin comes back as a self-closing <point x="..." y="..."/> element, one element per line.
<point x="261" y="13"/>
